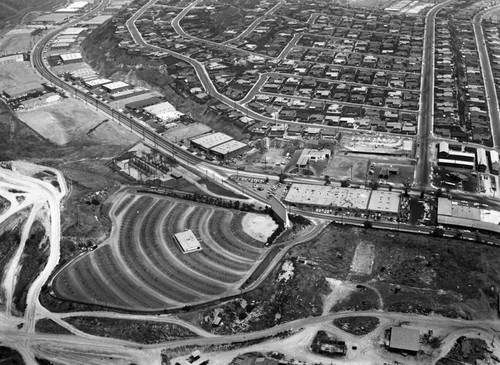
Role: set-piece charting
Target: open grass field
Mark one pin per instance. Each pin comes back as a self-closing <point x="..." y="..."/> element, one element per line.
<point x="141" y="267"/>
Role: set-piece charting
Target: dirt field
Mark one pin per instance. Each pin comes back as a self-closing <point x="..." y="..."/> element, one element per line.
<point x="258" y="226"/>
<point x="411" y="273"/>
<point x="17" y="73"/>
<point x="14" y="44"/>
<point x="340" y="167"/>
<point x="70" y="119"/>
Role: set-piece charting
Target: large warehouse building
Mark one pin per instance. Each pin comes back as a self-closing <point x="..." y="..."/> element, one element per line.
<point x="219" y="144"/>
<point x="187" y="241"/>
<point x="229" y="149"/>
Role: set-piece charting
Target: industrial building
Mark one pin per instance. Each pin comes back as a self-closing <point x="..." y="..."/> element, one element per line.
<point x="116" y="86"/>
<point x="187" y="241"/>
<point x="71" y="58"/>
<point x="91" y="84"/>
<point x="405" y="340"/>
<point x="163" y="111"/>
<point x="208" y="141"/>
<point x="139" y="104"/>
<point x="229" y="149"/>
<point x="24" y="89"/>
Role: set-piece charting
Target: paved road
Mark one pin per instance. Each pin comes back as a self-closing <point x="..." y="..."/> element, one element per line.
<point x="488" y="77"/>
<point x="426" y="112"/>
<point x="254" y="24"/>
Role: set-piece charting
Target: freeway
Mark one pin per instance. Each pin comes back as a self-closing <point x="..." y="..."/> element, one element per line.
<point x="426" y="112"/>
<point x="488" y="77"/>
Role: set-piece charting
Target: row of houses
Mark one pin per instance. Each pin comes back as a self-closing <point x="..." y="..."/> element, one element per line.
<point x="456" y="54"/>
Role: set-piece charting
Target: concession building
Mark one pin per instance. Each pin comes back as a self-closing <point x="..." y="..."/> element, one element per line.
<point x="405" y="340"/>
<point x="187" y="241"/>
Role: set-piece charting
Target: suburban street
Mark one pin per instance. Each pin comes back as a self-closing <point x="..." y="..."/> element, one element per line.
<point x="425" y="138"/>
<point x="488" y="78"/>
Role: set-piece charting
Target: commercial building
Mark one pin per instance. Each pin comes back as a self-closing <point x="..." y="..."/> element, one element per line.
<point x="97" y="20"/>
<point x="384" y="202"/>
<point x="187" y="241"/>
<point x="328" y="196"/>
<point x="461" y="214"/>
<point x="24" y="89"/>
<point x="229" y="149"/>
<point x="405" y="339"/>
<point x="209" y="141"/>
<point x="116" y="86"/>
<point x="71" y="57"/>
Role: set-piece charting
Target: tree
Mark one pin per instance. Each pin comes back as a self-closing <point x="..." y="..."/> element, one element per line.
<point x="344" y="183"/>
<point x="368" y="224"/>
<point x="374" y="185"/>
<point x="282" y="177"/>
<point x="327" y="180"/>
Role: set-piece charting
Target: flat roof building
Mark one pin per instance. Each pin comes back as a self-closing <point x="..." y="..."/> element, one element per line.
<point x="116" y="86"/>
<point x="71" y="57"/>
<point x="95" y="83"/>
<point x="209" y="141"/>
<point x="384" y="201"/>
<point x="229" y="149"/>
<point x="405" y="339"/>
<point x="164" y="111"/>
<point x="187" y="241"/>
<point x="325" y="196"/>
<point x="139" y="104"/>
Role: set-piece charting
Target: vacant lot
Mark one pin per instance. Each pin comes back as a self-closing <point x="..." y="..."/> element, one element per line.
<point x="16" y="74"/>
<point x="411" y="273"/>
<point x="146" y="332"/>
<point x="68" y="120"/>
<point x="142" y="267"/>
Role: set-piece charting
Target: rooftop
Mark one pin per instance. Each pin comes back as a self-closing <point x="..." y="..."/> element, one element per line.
<point x="211" y="140"/>
<point x="334" y="196"/>
<point x="228" y="147"/>
<point x="187" y="241"/>
<point x="405" y="339"/>
<point x="384" y="201"/>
